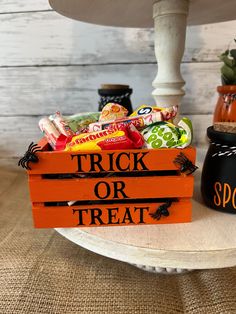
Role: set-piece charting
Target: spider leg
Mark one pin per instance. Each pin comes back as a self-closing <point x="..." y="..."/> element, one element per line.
<point x="180" y="158"/>
<point x="36" y="146"/>
<point x="185" y="163"/>
<point x="156" y="215"/>
<point x="35" y="150"/>
<point x="178" y="161"/>
<point x="30" y="146"/>
<point x="31" y="149"/>
<point x="24" y="163"/>
<point x="33" y="146"/>
<point x="192" y="169"/>
<point x="27" y="165"/>
<point x="183" y="156"/>
<point x="168" y="203"/>
<point x="21" y="161"/>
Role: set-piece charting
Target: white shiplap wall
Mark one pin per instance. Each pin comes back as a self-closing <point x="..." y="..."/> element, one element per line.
<point x="49" y="63"/>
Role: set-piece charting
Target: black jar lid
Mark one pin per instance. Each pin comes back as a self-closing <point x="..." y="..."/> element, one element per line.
<point x="114" y="89"/>
<point x="221" y="137"/>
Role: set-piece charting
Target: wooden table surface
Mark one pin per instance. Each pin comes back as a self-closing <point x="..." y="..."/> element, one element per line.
<point x="42" y="272"/>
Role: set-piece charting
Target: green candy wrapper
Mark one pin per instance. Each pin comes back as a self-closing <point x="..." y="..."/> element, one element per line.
<point x="80" y="121"/>
<point x="167" y="135"/>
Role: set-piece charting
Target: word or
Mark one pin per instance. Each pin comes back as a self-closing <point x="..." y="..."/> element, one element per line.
<point x="103" y="190"/>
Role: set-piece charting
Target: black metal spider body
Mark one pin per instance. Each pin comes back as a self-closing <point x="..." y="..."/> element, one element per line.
<point x="162" y="210"/>
<point x="30" y="156"/>
<point x="185" y="164"/>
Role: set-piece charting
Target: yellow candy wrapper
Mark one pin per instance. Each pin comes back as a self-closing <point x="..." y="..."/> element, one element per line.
<point x="145" y="109"/>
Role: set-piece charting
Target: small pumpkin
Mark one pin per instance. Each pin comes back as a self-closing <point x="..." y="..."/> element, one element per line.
<point x="225" y="110"/>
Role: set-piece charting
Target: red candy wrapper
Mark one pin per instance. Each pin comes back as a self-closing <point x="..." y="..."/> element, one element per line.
<point x="61" y="124"/>
<point x="131" y="139"/>
<point x="56" y="139"/>
<point x="121" y="137"/>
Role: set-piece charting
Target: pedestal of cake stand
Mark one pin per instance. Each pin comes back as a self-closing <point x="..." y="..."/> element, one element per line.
<point x="170" y="20"/>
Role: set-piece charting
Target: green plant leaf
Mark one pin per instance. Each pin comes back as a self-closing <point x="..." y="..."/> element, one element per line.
<point x="233" y="53"/>
<point x="228" y="73"/>
<point x="234" y="69"/>
<point x="225" y="81"/>
<point x="226" y="53"/>
<point x="229" y="62"/>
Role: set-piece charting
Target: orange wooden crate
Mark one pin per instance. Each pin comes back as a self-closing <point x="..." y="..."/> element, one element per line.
<point x="112" y="187"/>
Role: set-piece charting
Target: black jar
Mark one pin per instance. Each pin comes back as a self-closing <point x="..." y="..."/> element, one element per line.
<point x="119" y="94"/>
<point x="218" y="182"/>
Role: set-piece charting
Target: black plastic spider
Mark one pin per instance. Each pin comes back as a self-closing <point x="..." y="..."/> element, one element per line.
<point x="185" y="164"/>
<point x="30" y="156"/>
<point x="162" y="210"/>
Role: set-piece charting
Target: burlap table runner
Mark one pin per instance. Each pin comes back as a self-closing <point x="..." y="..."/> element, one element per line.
<point x="42" y="272"/>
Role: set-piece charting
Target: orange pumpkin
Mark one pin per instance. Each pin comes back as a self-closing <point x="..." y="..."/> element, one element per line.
<point x="225" y="110"/>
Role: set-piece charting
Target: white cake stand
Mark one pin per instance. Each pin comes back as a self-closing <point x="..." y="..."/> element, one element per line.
<point x="210" y="240"/>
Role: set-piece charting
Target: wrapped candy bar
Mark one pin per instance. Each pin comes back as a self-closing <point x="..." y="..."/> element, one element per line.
<point x="140" y="122"/>
<point x="61" y="124"/>
<point x="112" y="111"/>
<point x="80" y="121"/>
<point x="145" y="109"/>
<point x="56" y="139"/>
<point x="123" y="137"/>
<point x="165" y="134"/>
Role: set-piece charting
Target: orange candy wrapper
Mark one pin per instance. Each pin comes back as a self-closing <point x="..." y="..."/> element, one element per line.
<point x="124" y="137"/>
<point x="113" y="111"/>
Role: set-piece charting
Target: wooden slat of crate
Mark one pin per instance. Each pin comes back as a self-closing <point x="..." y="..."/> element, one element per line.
<point x="64" y="162"/>
<point x="49" y="190"/>
<point x="116" y="214"/>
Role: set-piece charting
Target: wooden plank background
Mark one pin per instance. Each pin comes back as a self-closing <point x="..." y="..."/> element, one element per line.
<point x="49" y="62"/>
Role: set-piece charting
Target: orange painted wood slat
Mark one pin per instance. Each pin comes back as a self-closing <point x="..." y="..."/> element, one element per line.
<point x="111" y="161"/>
<point x="48" y="190"/>
<point x="108" y="215"/>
